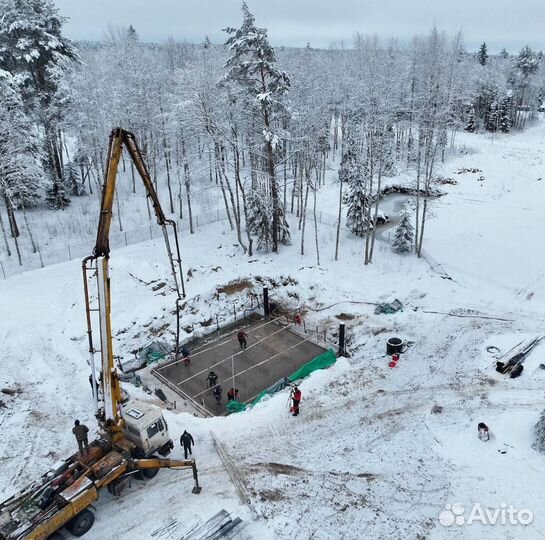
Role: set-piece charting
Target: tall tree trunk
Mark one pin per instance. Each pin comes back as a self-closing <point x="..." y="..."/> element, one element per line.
<point x="339" y="219"/>
<point x="4" y="234"/>
<point x="14" y="229"/>
<point x="316" y="228"/>
<point x="167" y="166"/>
<point x="236" y="209"/>
<point x="30" y="235"/>
<point x="222" y="186"/>
<point x="370" y="223"/>
<point x="274" y="193"/>
<point x="374" y="231"/>
<point x="417" y="212"/>
<point x="188" y="196"/>
<point x="303" y="220"/>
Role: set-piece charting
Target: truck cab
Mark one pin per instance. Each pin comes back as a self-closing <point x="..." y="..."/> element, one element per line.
<point x="146" y="428"/>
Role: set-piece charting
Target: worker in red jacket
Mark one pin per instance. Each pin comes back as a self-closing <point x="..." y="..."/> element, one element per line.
<point x="296" y="399"/>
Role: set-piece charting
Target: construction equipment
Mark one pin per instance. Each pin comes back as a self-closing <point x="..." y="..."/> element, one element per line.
<point x="131" y="432"/>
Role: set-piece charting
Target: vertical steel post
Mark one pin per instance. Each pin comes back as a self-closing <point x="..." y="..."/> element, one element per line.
<point x="342" y="340"/>
<point x="266" y="308"/>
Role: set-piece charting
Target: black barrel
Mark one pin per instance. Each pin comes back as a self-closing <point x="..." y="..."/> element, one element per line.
<point x="394" y="345"/>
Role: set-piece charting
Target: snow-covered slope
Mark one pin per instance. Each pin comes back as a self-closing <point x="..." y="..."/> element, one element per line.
<point x="367" y="458"/>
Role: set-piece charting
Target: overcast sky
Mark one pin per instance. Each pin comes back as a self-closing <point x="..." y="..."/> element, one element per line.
<point x="501" y="23"/>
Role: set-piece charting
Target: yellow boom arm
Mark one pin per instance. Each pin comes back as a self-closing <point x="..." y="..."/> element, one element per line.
<point x="96" y="266"/>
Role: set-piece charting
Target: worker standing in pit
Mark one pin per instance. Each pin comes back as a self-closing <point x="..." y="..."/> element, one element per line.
<point x="242" y="337"/>
<point x="186" y="440"/>
<point x="212" y="379"/>
<point x="81" y="431"/>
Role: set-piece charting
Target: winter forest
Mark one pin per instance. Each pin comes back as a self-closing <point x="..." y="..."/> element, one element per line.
<point x="239" y="127"/>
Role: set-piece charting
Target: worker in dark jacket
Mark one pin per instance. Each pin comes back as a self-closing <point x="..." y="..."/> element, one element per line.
<point x="186" y="440"/>
<point x="241" y="336"/>
<point x="81" y="431"/>
<point x="212" y="379"/>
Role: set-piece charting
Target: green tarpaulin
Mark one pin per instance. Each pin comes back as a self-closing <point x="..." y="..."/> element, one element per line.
<point x="320" y="362"/>
<point x="235" y="406"/>
<point x="153" y="352"/>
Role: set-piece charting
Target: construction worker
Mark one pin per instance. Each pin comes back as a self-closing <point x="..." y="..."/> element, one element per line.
<point x="241" y="336"/>
<point x="232" y="394"/>
<point x="296" y="399"/>
<point x="217" y="392"/>
<point x="186" y="440"/>
<point x="96" y="385"/>
<point x="185" y="355"/>
<point x="81" y="431"/>
<point x="212" y="379"/>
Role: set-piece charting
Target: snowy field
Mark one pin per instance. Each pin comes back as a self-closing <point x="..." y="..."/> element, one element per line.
<point x="367" y="458"/>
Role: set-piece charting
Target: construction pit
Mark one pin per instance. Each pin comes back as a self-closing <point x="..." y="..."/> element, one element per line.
<point x="275" y="349"/>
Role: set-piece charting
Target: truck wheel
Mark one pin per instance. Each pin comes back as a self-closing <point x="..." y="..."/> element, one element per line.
<point x="80" y="524"/>
<point x="150" y="473"/>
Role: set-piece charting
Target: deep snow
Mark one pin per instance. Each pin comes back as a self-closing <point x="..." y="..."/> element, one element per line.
<point x="367" y="458"/>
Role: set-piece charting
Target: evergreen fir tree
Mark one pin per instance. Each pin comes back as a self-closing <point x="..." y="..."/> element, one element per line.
<point x="21" y="178"/>
<point x="527" y="62"/>
<point x="492" y="117"/>
<point x="482" y="55"/>
<point x="283" y="227"/>
<point x="56" y="196"/>
<point x="470" y="126"/>
<point x="354" y="174"/>
<point x="252" y="65"/>
<point x="404" y="233"/>
<point x="505" y="114"/>
<point x="504" y="54"/>
<point x="34" y="51"/>
<point x="72" y="179"/>
<point x="259" y="218"/>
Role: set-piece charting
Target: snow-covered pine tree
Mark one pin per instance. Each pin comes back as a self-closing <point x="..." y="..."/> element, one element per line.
<point x="470" y="126"/>
<point x="526" y="64"/>
<point x="258" y="219"/>
<point x="358" y="203"/>
<point x="56" y="196"/>
<point x="482" y="54"/>
<point x="404" y="233"/>
<point x="505" y="114"/>
<point x="72" y="180"/>
<point x="492" y="117"/>
<point x="21" y="180"/>
<point x="354" y="174"/>
<point x="252" y="65"/>
<point x="527" y="61"/>
<point x="34" y="51"/>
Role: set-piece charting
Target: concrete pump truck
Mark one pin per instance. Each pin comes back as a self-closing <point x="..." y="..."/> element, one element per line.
<point x="131" y="432"/>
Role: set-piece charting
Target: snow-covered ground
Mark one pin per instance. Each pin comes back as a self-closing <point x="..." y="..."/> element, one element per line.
<point x="368" y="457"/>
